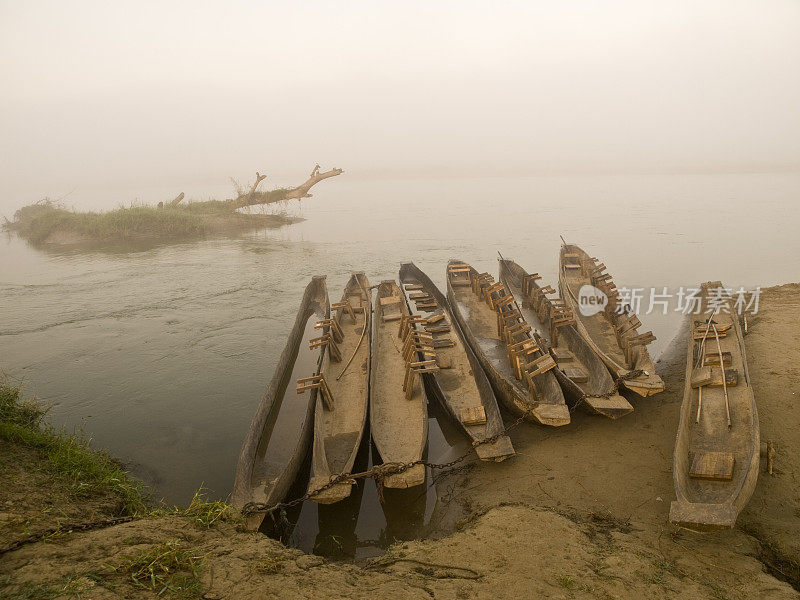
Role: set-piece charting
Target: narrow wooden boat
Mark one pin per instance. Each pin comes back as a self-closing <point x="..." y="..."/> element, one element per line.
<point x="519" y="370"/>
<point x="398" y="414"/>
<point x="717" y="449"/>
<point x="279" y="437"/>
<point x="460" y="385"/>
<point x="580" y="371"/>
<point x="611" y="332"/>
<point x="342" y="390"/>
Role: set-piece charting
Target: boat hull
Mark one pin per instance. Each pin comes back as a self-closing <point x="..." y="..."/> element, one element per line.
<point x="717" y="446"/>
<point x="262" y="475"/>
<point x="462" y="384"/>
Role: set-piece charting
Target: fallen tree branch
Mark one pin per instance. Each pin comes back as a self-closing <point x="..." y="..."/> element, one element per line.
<point x="297" y="193"/>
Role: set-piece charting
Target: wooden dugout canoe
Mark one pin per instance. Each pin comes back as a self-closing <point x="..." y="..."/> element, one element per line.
<point x="536" y="393"/>
<point x="580" y="371"/>
<point x="340" y="414"/>
<point x="611" y="334"/>
<point x="717" y="448"/>
<point x="460" y="385"/>
<point x="279" y="437"/>
<point x="398" y="413"/>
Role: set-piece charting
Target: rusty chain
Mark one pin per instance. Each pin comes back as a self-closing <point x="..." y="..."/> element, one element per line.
<point x="66" y="528"/>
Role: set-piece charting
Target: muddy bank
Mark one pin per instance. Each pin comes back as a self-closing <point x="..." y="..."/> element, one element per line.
<point x="581" y="511"/>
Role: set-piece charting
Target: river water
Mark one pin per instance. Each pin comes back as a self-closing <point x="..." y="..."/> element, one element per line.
<point x="161" y="355"/>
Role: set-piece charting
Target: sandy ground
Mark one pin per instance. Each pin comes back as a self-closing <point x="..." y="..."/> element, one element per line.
<point x="580" y="512"/>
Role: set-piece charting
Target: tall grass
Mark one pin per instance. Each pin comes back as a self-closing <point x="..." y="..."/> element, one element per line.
<point x="82" y="471"/>
<point x="39" y="221"/>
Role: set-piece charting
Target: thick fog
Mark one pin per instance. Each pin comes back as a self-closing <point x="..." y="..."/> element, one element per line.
<point x="127" y="95"/>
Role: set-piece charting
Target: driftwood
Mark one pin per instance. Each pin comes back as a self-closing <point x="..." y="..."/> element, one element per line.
<point x="259" y="179"/>
<point x="299" y="192"/>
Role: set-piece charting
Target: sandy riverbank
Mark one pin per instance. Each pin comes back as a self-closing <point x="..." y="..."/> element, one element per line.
<point x="579" y="512"/>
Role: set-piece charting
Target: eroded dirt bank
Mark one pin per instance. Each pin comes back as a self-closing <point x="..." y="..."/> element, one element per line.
<point x="580" y="512"/>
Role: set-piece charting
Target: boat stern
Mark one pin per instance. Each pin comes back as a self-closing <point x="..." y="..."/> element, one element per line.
<point x="253" y="521"/>
<point x="554" y="415"/>
<point x="335" y="493"/>
<point x="700" y="516"/>
<point x="645" y="386"/>
<point x="408" y="478"/>
<point x="612" y="407"/>
<point x="496" y="451"/>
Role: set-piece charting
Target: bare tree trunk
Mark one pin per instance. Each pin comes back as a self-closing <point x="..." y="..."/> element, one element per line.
<point x="299" y="192"/>
<point x="177" y="199"/>
<point x="259" y="179"/>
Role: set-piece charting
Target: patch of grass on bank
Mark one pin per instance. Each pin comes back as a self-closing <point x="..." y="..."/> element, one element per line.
<point x="169" y="566"/>
<point x="37" y="222"/>
<point x="84" y="471"/>
<point x="206" y="513"/>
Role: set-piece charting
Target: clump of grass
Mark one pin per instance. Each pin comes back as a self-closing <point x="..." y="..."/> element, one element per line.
<point x="566" y="581"/>
<point x="205" y="513"/>
<point x="15" y="411"/>
<point x="269" y="565"/>
<point x="168" y="566"/>
<point x="84" y="471"/>
<point x="66" y="587"/>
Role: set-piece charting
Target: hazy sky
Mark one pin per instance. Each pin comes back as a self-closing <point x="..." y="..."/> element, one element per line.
<point x="142" y="94"/>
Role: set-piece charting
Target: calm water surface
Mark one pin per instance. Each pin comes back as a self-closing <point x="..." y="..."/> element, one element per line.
<point x="161" y="355"/>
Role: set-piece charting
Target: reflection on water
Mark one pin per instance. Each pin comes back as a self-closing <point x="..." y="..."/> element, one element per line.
<point x="363" y="526"/>
<point x="162" y="355"/>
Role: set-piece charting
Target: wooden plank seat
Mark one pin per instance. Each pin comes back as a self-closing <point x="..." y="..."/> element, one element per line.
<point x="502" y="302"/>
<point x="632" y="341"/>
<point x="495" y="288"/>
<point x="537" y="367"/>
<point x="576" y="374"/>
<point x="391" y="308"/>
<point x="700" y="335"/>
<point x="317" y="382"/>
<point x="712" y="465"/>
<point x="731" y="377"/>
<point x="327" y="340"/>
<point x="408" y="322"/>
<point x="517" y="329"/>
<point x="517" y="351"/>
<point x="344" y="307"/>
<point x="713" y="359"/>
<point x="479" y="280"/>
<point x="333" y="327"/>
<point x="434" y="318"/>
<point x="437" y="328"/>
<point x="528" y="282"/>
<point x="562" y="355"/>
<point x="703" y="325"/>
<point x="443" y="343"/>
<point x="413" y="371"/>
<point x="557" y="322"/>
<point x="473" y="415"/>
<point x="427" y="306"/>
<point x="414" y="286"/>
